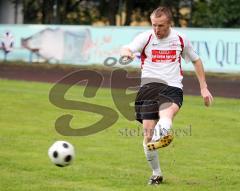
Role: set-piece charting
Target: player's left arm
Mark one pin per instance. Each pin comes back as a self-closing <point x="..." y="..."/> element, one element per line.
<point x="190" y="54"/>
<point x="207" y="96"/>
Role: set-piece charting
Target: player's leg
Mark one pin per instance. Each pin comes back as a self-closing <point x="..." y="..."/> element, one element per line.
<point x="147" y="112"/>
<point x="164" y="135"/>
<point x="151" y="156"/>
<point x="148" y="129"/>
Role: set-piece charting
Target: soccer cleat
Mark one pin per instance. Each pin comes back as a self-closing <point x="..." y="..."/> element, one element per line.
<point x="155" y="180"/>
<point x="162" y="142"/>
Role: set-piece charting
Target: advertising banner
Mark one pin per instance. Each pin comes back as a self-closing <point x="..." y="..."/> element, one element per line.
<point x="84" y="45"/>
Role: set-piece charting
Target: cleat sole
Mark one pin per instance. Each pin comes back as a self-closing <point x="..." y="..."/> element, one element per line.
<point x="163" y="142"/>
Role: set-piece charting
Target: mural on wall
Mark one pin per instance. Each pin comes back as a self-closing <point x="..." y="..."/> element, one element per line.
<point x="60" y="45"/>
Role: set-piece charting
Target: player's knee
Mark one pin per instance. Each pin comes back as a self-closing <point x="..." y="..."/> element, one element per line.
<point x="147" y="139"/>
<point x="148" y="134"/>
<point x="148" y="128"/>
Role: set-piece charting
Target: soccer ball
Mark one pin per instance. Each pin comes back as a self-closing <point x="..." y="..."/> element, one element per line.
<point x="61" y="153"/>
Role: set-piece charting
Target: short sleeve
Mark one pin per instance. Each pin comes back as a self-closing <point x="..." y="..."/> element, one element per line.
<point x="189" y="53"/>
<point x="138" y="42"/>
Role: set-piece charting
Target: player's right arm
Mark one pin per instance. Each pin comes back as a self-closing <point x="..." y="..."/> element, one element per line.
<point x="135" y="46"/>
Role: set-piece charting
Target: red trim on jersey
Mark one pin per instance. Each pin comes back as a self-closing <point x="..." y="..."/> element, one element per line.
<point x="180" y="59"/>
<point x="143" y="55"/>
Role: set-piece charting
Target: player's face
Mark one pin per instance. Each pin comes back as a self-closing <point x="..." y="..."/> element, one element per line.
<point x="161" y="26"/>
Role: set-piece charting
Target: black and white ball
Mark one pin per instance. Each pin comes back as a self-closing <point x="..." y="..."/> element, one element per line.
<point x="61" y="153"/>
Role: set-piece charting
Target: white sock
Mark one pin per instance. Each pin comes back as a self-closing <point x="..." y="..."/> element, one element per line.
<point x="152" y="158"/>
<point x="163" y="126"/>
<point x="157" y="132"/>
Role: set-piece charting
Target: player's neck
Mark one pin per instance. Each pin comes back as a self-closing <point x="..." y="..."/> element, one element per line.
<point x="166" y="35"/>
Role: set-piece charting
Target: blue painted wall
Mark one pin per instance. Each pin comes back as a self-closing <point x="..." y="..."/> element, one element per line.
<point x="218" y="48"/>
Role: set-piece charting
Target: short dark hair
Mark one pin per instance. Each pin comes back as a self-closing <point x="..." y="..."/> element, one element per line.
<point x="158" y="12"/>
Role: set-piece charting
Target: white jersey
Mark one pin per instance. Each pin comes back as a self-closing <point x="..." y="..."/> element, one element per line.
<point x="161" y="58"/>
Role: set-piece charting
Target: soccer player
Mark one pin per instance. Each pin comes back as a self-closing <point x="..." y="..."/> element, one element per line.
<point x="162" y="49"/>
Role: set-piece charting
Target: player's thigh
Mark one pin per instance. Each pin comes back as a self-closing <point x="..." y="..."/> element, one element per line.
<point x="170" y="111"/>
<point x="148" y="128"/>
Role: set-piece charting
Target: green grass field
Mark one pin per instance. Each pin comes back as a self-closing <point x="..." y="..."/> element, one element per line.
<point x="207" y="158"/>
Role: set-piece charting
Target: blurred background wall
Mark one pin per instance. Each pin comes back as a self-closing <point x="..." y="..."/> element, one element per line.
<point x="88" y="32"/>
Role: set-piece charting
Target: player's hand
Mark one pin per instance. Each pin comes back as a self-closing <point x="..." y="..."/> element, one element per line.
<point x="207" y="97"/>
<point x="126" y="54"/>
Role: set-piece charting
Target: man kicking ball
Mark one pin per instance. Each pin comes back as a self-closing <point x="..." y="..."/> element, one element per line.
<point x="160" y="96"/>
